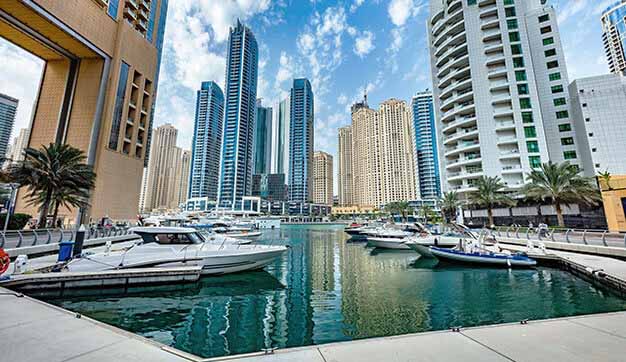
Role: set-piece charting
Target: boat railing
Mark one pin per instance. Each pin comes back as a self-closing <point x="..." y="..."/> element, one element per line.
<point x="11" y="239"/>
<point x="593" y="237"/>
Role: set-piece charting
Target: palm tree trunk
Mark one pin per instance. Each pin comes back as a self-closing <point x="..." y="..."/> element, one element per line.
<point x="43" y="212"/>
<point x="55" y="215"/>
<point x="490" y="216"/>
<point x="559" y="214"/>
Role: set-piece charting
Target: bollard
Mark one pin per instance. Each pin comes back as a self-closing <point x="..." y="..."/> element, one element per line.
<point x="78" y="241"/>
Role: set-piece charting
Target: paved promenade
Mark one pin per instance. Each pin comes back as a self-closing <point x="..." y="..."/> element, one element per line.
<point x="35" y="331"/>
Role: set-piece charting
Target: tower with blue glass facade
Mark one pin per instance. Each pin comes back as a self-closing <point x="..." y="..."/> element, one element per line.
<point x="235" y="177"/>
<point x="207" y="142"/>
<point x="301" y="141"/>
<point x="8" y="110"/>
<point x="427" y="166"/>
<point x="263" y="140"/>
<point x="614" y="36"/>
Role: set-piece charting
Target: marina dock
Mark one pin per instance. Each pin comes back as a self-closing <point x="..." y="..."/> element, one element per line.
<point x="36" y="331"/>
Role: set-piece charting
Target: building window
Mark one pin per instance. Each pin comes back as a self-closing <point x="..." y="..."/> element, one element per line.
<point x="522" y="88"/>
<point x="524" y="103"/>
<point x="546" y="29"/>
<point x="562" y="114"/>
<point x="516" y="49"/>
<point x="543" y="18"/>
<point x="552" y="64"/>
<point x="548" y="41"/>
<point x="555" y="76"/>
<point x="587" y="119"/>
<point x="120" y="96"/>
<point x="584" y="105"/>
<point x="532" y="146"/>
<point x="565" y="127"/>
<point x="535" y="161"/>
<point x="594" y="149"/>
<point x="550" y="52"/>
<point x="512" y="23"/>
<point x="153" y="10"/>
<point x="112" y="10"/>
<point x="567" y="141"/>
<point x="557" y="88"/>
<point x="527" y="117"/>
<point x="509" y="12"/>
<point x="514" y="36"/>
<point x="520" y="75"/>
<point x="471" y="2"/>
<point x="559" y="102"/>
<point x="509" y="2"/>
<point x="530" y="132"/>
<point x="591" y="134"/>
<point x="518" y="62"/>
<point x="569" y="155"/>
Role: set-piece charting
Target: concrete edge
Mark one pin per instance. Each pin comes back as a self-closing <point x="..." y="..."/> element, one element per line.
<point x="51" y="248"/>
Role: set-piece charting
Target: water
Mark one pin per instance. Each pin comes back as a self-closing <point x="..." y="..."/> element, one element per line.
<point x="327" y="290"/>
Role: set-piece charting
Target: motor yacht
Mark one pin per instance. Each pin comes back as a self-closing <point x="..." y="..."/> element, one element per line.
<point x="391" y="236"/>
<point x="452" y="237"/>
<point x="175" y="246"/>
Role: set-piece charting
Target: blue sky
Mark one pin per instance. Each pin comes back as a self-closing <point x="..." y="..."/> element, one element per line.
<point x="342" y="46"/>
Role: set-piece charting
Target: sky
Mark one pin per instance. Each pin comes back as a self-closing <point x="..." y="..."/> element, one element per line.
<point x="343" y="47"/>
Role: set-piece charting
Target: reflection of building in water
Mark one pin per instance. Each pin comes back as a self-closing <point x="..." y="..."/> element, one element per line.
<point x="322" y="262"/>
<point x="377" y="294"/>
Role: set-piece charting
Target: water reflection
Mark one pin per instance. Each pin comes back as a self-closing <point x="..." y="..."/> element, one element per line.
<point x="326" y="289"/>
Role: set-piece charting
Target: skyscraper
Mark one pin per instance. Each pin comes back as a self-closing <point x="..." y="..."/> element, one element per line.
<point x="383" y="164"/>
<point x="280" y="137"/>
<point x="614" y="36"/>
<point x="263" y="140"/>
<point x="500" y="91"/>
<point x="322" y="178"/>
<point x="182" y="169"/>
<point x="19" y="144"/>
<point x="427" y="167"/>
<point x="8" y="110"/>
<point x="97" y="89"/>
<point x="237" y="144"/>
<point x="345" y="166"/>
<point x="207" y="142"/>
<point x="301" y="141"/>
<point x="161" y="168"/>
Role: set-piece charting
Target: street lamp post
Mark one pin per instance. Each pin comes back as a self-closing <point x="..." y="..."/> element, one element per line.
<point x="13" y="187"/>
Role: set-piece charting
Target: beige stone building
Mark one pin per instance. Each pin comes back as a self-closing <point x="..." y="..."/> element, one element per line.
<point x="322" y="178"/>
<point x="181" y="180"/>
<point x="345" y="166"/>
<point x="382" y="158"/>
<point x="19" y="144"/>
<point x="97" y="88"/>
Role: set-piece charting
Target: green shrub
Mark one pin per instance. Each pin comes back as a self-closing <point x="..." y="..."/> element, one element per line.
<point x="17" y="221"/>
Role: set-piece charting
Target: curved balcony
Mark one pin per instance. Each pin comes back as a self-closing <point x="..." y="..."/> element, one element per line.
<point x="497" y="73"/>
<point x="459" y="62"/>
<point x="465" y="121"/>
<point x="459" y="74"/>
<point x="466" y="108"/>
<point x="490" y="24"/>
<point x="492" y="34"/>
<point x="488" y="11"/>
<point x="464" y="161"/>
<point x="495" y="48"/>
<point x="496" y="59"/>
<point x="451" y="54"/>
<point x="508" y="155"/>
<point x="460" y="135"/>
<point x="504" y="113"/>
<point x="505" y="99"/>
<point x="459" y="84"/>
<point x="457" y="26"/>
<point x="512" y="169"/>
<point x="507" y="140"/>
<point x="457" y="176"/>
<point x="505" y="126"/>
<point x="447" y="19"/>
<point x="454" y="41"/>
<point x="499" y="86"/>
<point x="486" y="2"/>
<point x="462" y="147"/>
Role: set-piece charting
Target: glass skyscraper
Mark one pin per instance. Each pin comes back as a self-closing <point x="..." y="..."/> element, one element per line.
<point x="301" y="141"/>
<point x="238" y="136"/>
<point x="614" y="36"/>
<point x="207" y="140"/>
<point x="263" y="140"/>
<point x="427" y="166"/>
<point x="280" y="138"/>
<point x="8" y="109"/>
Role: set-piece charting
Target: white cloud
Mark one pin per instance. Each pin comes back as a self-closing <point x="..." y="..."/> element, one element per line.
<point x="364" y="44"/>
<point x="355" y="5"/>
<point x="343" y="100"/>
<point x="397" y="35"/>
<point x="19" y="78"/>
<point x="400" y="11"/>
<point x="221" y="14"/>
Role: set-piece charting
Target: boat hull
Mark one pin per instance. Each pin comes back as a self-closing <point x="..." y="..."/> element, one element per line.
<point x="383" y="243"/>
<point x="482" y="259"/>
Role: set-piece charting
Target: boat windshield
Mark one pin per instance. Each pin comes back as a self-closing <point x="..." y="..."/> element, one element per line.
<point x="172" y="238"/>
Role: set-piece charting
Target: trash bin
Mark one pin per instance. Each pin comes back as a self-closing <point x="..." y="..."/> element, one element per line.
<point x="65" y="250"/>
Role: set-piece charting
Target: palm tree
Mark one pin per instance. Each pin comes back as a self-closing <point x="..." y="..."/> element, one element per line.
<point x="398" y="207"/>
<point x="55" y="175"/>
<point x="489" y="194"/>
<point x="561" y="183"/>
<point x="449" y="203"/>
<point x="606" y="177"/>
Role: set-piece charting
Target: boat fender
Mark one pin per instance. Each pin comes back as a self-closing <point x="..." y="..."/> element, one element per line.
<point x="456" y="329"/>
<point x="268" y="350"/>
<point x="523" y="321"/>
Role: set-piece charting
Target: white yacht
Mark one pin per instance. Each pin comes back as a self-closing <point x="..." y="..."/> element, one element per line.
<point x="175" y="246"/>
<point x="454" y="236"/>
<point x="391" y="236"/>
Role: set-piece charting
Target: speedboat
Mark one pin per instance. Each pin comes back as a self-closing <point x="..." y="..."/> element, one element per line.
<point x="174" y="247"/>
<point x="483" y="257"/>
<point x="452" y="238"/>
<point x="390" y="237"/>
<point x="356" y="231"/>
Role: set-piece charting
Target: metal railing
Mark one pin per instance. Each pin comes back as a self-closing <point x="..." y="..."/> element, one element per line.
<point x="22" y="238"/>
<point x="592" y="237"/>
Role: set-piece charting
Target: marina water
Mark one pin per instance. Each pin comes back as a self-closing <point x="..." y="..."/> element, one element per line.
<point x="329" y="289"/>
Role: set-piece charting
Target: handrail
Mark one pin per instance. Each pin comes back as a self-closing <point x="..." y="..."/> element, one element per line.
<point x="594" y="237"/>
<point x="20" y="238"/>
